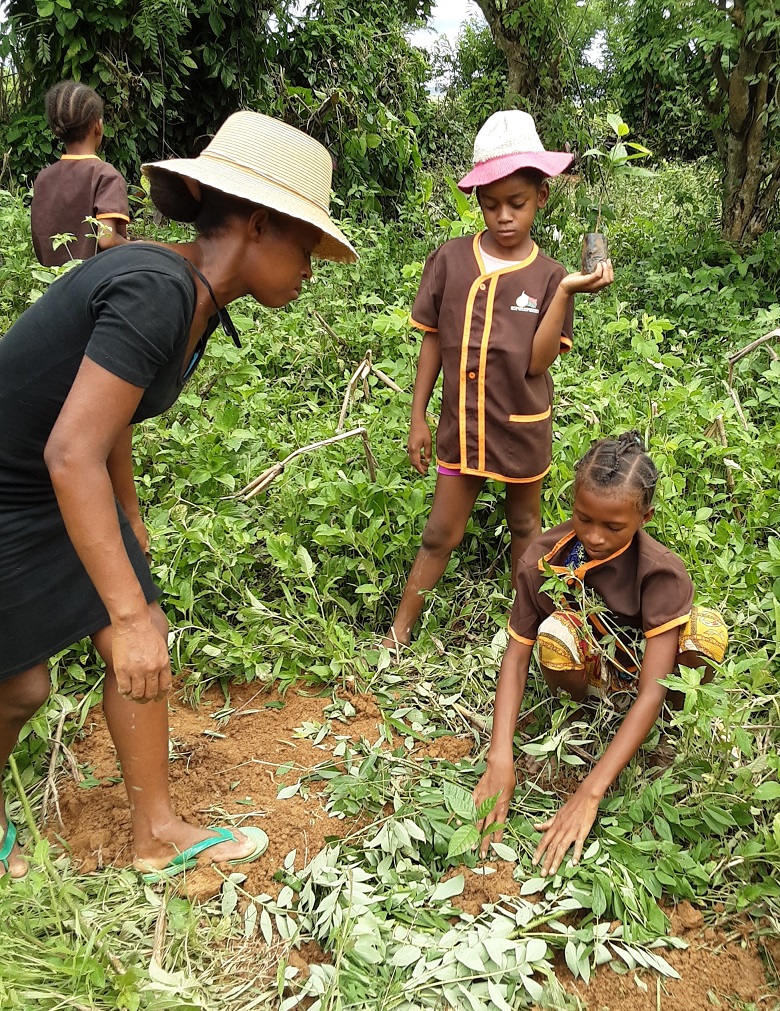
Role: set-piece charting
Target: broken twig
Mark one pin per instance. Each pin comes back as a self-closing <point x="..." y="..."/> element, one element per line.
<point x="260" y="483"/>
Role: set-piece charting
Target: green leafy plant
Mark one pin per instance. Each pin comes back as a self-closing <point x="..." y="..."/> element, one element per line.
<point x="611" y="164"/>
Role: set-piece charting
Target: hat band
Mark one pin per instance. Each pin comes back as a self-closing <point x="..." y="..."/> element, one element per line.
<point x="235" y="163"/>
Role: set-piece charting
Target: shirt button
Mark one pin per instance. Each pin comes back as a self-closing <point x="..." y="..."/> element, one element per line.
<point x="482" y="287"/>
<point x="472" y="375"/>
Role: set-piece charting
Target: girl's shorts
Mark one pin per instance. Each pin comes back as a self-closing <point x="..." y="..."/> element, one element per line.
<point x="563" y="645"/>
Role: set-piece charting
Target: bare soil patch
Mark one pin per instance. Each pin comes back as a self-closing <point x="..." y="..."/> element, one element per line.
<point x="235" y="774"/>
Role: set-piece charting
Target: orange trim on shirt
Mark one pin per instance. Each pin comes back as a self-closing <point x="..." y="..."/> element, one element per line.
<point x="489" y="280"/>
<point x="483" y="350"/>
<point x="674" y="623"/>
<point x="502" y="477"/>
<point x="112" y="214"/>
<point x="422" y="326"/>
<point x="520" y="638"/>
<point x="525" y="418"/>
<point x="495" y="477"/>
<point x="464" y="354"/>
<point x="78" y="157"/>
<point x="566" y="344"/>
<point x="579" y="572"/>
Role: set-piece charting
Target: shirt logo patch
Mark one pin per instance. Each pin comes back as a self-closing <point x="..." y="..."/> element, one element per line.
<point x="525" y="303"/>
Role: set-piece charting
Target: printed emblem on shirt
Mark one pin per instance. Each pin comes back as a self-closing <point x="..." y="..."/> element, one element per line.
<point x="524" y="303"/>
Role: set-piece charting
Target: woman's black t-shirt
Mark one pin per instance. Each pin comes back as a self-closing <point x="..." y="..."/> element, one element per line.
<point x="130" y="311"/>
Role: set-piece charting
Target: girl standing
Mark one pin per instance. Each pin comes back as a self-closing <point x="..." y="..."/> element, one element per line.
<point x="80" y="185"/>
<point x="495" y="312"/>
<point x="648" y="595"/>
<point x="132" y="325"/>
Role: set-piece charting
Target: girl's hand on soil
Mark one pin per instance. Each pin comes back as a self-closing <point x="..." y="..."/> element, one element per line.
<point x="419" y="446"/>
<point x="569" y="825"/>
<point x="602" y="276"/>
<point x="498" y="778"/>
<point x="141" y="663"/>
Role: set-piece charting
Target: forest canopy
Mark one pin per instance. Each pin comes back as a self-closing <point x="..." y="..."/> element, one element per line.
<point x="692" y="78"/>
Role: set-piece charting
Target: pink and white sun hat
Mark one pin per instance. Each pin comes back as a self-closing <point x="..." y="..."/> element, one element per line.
<point x="508" y="141"/>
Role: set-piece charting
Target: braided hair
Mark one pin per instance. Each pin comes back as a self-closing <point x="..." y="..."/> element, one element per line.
<point x="71" y="109"/>
<point x="611" y="465"/>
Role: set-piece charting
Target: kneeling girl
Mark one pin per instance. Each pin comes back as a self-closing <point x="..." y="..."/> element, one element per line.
<point x="646" y="592"/>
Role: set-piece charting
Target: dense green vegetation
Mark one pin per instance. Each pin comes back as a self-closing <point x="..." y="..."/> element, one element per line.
<point x="292" y="588"/>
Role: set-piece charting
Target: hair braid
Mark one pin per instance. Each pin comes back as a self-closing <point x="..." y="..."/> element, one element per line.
<point x="619" y="463"/>
<point x="71" y="108"/>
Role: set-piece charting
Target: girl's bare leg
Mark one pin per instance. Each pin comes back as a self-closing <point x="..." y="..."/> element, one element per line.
<point x="453" y="501"/>
<point x="20" y="698"/>
<point x="140" y="733"/>
<point x="523" y="510"/>
<point x="574" y="682"/>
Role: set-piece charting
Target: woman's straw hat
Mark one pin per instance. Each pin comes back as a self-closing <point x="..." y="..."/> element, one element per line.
<point x="508" y="141"/>
<point x="268" y="162"/>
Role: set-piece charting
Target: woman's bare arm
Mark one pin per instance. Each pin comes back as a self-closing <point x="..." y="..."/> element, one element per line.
<point x="94" y="419"/>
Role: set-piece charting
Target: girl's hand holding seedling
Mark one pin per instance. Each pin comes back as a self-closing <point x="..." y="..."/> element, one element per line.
<point x="419" y="446"/>
<point x="570" y="825"/>
<point x="498" y="781"/>
<point x="601" y="277"/>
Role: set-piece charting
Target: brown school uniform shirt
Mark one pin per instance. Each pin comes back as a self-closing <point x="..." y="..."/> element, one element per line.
<point x="496" y="420"/>
<point x="644" y="585"/>
<point x="64" y="194"/>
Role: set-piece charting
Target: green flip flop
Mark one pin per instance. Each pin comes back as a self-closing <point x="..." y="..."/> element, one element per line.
<point x="188" y="858"/>
<point x="8" y="845"/>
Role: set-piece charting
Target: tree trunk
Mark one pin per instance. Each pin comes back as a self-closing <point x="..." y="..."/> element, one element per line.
<point x="751" y="177"/>
<point x="533" y="61"/>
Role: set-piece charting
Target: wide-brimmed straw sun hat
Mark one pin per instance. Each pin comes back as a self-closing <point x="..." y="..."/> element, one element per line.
<point x="508" y="141"/>
<point x="268" y="162"/>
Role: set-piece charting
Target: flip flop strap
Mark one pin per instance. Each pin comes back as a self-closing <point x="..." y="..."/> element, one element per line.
<point x="8" y="844"/>
<point x="187" y="856"/>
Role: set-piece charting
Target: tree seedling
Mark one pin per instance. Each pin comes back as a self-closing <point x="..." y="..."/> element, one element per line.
<point x="611" y="164"/>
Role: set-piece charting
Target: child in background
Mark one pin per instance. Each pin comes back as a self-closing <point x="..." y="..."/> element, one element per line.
<point x="79" y="185"/>
<point x="647" y="593"/>
<point x="495" y="312"/>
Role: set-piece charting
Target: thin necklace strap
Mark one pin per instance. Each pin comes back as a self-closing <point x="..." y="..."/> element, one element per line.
<point x="224" y="316"/>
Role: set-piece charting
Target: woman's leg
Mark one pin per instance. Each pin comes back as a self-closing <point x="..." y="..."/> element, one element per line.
<point x="453" y="501"/>
<point x="140" y="734"/>
<point x="523" y="510"/>
<point x="20" y="698"/>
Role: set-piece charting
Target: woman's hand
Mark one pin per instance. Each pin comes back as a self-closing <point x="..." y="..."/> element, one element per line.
<point x="419" y="446"/>
<point x="498" y="778"/>
<point x="141" y="662"/>
<point x="570" y="824"/>
<point x="602" y="276"/>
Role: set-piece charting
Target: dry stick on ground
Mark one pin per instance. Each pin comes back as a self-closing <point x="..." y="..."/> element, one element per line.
<point x="51" y="792"/>
<point x="159" y="935"/>
<point x="718" y="429"/>
<point x="361" y="374"/>
<point x="331" y="332"/>
<point x="746" y="350"/>
<point x="261" y="483"/>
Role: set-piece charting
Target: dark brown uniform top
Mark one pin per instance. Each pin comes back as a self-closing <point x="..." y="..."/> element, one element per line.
<point x="64" y="194"/>
<point x="644" y="585"/>
<point x="496" y="420"/>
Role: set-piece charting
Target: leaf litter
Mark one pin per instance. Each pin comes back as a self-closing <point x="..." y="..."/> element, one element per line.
<point x="352" y="900"/>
